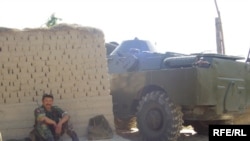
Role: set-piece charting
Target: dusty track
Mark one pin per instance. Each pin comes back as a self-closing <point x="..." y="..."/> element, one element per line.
<point x="186" y="135"/>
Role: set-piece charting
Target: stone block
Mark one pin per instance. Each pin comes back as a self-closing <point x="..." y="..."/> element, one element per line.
<point x="11" y="100"/>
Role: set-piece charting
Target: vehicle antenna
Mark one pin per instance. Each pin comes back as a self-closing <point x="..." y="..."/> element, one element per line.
<point x="219" y="32"/>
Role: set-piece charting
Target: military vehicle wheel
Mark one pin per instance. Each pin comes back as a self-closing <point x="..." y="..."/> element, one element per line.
<point x="158" y="118"/>
<point x="125" y="124"/>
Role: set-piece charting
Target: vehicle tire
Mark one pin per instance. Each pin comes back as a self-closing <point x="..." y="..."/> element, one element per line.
<point x="125" y="124"/>
<point x="158" y="119"/>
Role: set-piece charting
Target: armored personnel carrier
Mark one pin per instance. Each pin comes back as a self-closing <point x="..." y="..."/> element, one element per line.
<point x="163" y="91"/>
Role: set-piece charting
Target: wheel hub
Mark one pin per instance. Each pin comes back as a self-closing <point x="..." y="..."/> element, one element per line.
<point x="154" y="119"/>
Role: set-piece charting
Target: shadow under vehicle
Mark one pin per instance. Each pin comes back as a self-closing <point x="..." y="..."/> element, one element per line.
<point x="160" y="92"/>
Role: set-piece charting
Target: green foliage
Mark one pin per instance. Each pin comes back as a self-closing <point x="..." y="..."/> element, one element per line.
<point x="52" y="20"/>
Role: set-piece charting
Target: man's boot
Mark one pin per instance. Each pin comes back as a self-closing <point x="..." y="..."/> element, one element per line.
<point x="73" y="136"/>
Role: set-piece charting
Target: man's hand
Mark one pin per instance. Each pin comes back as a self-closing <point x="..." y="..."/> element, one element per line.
<point x="54" y="124"/>
<point x="47" y="121"/>
<point x="58" y="129"/>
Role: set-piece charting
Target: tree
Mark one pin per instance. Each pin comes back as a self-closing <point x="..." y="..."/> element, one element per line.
<point x="52" y="20"/>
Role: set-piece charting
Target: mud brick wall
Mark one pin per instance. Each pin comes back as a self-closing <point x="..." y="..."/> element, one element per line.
<point x="68" y="61"/>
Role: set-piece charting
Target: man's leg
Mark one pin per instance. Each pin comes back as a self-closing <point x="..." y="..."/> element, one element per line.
<point x="44" y="133"/>
<point x="68" y="127"/>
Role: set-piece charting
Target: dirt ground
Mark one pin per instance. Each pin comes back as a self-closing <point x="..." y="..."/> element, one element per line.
<point x="187" y="134"/>
<point x="183" y="137"/>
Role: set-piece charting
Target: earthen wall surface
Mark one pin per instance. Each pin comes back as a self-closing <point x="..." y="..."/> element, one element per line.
<point x="68" y="61"/>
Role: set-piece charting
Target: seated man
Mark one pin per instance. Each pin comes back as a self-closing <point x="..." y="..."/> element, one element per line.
<point x="51" y="121"/>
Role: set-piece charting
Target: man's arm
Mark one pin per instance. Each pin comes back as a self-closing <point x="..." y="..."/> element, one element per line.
<point x="47" y="120"/>
<point x="58" y="127"/>
<point x="41" y="117"/>
<point x="64" y="119"/>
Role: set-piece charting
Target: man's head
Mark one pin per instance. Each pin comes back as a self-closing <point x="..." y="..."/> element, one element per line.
<point x="47" y="101"/>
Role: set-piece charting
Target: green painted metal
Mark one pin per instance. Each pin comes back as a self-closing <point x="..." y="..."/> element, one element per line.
<point x="206" y="86"/>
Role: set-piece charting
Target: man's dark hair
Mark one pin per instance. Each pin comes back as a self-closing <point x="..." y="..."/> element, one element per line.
<point x="47" y="95"/>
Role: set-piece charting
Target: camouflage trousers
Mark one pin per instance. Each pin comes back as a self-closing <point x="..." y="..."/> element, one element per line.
<point x="44" y="132"/>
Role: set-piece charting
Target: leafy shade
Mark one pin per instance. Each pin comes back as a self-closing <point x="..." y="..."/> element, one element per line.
<point x="52" y="20"/>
